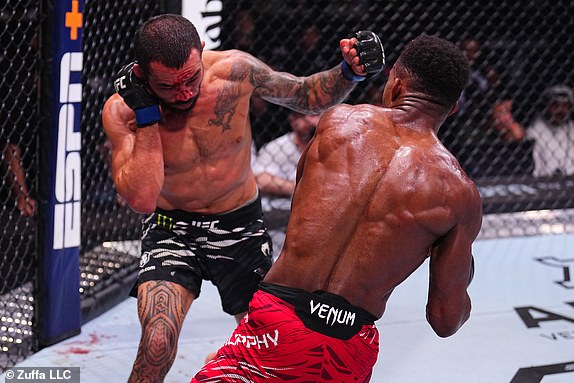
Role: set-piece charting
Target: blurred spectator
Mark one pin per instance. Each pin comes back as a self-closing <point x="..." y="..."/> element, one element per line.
<point x="501" y="116"/>
<point x="17" y="241"/>
<point x="243" y="31"/>
<point x="263" y="115"/>
<point x="486" y="93"/>
<point x="19" y="124"/>
<point x="553" y="133"/>
<point x="276" y="164"/>
<point x="16" y="179"/>
<point x="483" y="134"/>
<point x="309" y="45"/>
<point x="18" y="115"/>
<point x="275" y="170"/>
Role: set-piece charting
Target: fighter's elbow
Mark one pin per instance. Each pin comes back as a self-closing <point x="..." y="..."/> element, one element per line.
<point x="141" y="198"/>
<point x="141" y="204"/>
<point x="446" y="325"/>
<point x="443" y="330"/>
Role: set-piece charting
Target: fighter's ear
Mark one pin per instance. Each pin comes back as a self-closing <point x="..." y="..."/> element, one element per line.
<point x="396" y="88"/>
<point x="138" y="71"/>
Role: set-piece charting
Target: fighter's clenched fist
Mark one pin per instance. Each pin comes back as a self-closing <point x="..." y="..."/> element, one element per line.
<point x="363" y="56"/>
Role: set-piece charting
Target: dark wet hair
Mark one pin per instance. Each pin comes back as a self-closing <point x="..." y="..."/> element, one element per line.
<point x="167" y="39"/>
<point x="435" y="67"/>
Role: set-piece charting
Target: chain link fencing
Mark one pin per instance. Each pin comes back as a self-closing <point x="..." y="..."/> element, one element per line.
<point x="110" y="230"/>
<point x="109" y="252"/>
<point x="20" y="122"/>
<point x="513" y="132"/>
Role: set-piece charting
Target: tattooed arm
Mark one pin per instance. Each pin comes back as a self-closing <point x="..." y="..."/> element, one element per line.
<point x="312" y="94"/>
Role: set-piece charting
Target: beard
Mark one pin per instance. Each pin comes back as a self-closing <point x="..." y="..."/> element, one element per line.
<point x="181" y="106"/>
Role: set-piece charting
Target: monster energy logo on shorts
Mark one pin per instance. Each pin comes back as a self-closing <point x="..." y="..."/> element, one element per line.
<point x="165" y="221"/>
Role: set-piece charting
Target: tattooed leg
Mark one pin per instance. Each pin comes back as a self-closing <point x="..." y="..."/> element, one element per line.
<point x="162" y="307"/>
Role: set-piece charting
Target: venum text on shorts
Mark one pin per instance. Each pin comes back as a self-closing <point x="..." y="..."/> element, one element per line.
<point x="43" y="374"/>
<point x="331" y="314"/>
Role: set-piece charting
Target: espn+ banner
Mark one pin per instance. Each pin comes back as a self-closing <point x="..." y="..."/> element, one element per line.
<point x="60" y="298"/>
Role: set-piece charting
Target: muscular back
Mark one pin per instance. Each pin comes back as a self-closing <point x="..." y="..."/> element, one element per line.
<point x="378" y="194"/>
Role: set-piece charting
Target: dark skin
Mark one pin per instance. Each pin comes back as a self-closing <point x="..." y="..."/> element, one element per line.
<point x="197" y="158"/>
<point x="384" y="195"/>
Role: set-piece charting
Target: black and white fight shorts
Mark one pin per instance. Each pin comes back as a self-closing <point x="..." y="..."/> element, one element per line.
<point x="232" y="250"/>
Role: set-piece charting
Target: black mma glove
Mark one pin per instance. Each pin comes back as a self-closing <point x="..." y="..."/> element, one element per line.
<point x="371" y="54"/>
<point x="136" y="96"/>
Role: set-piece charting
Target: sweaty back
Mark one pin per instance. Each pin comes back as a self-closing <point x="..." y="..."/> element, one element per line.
<point x="373" y="198"/>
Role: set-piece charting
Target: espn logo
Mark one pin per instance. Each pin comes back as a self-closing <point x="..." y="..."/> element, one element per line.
<point x="67" y="186"/>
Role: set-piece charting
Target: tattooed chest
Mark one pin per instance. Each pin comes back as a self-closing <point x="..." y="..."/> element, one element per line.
<point x="228" y="106"/>
<point x="215" y="128"/>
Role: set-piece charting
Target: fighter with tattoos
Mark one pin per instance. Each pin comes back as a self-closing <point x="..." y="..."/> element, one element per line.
<point x="181" y="147"/>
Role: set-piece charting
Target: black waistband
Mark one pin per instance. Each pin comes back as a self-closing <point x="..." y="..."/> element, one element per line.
<point x="241" y="216"/>
<point x="321" y="311"/>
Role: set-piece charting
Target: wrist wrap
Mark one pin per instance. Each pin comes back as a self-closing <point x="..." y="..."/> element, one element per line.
<point x="147" y="116"/>
<point x="349" y="74"/>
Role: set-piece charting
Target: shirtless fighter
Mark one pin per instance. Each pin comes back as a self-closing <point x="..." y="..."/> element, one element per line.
<point x="377" y="195"/>
<point x="181" y="148"/>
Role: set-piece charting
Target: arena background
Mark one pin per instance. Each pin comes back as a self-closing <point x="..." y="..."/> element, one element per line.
<point x="528" y="44"/>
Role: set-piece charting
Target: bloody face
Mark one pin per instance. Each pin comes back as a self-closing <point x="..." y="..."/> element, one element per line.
<point x="177" y="88"/>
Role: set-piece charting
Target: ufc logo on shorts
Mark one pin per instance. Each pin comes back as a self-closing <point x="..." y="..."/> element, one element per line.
<point x="119" y="83"/>
<point x="205" y="224"/>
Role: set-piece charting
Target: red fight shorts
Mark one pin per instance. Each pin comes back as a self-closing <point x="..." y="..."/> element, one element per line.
<point x="295" y="336"/>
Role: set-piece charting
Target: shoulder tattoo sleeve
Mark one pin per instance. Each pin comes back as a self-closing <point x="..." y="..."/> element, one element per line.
<point x="228" y="97"/>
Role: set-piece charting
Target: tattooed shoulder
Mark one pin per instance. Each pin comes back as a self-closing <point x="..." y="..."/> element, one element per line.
<point x="229" y="93"/>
